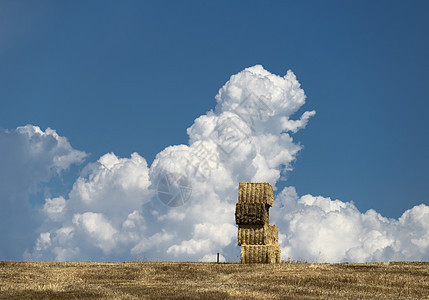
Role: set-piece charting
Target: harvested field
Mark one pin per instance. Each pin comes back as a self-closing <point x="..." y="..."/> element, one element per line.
<point x="255" y="192"/>
<point x="166" y="280"/>
<point x="251" y="214"/>
<point x="258" y="234"/>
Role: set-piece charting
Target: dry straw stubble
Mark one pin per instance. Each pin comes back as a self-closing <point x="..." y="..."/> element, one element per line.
<point x="167" y="280"/>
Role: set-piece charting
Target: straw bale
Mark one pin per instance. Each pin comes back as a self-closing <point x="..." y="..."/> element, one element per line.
<point x="251" y="214"/>
<point x="274" y="254"/>
<point x="255" y="192"/>
<point x="263" y="254"/>
<point x="258" y="235"/>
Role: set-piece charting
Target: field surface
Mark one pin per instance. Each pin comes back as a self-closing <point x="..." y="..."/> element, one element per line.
<point x="164" y="280"/>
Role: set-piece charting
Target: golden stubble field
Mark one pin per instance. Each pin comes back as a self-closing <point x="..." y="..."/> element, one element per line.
<point x="164" y="280"/>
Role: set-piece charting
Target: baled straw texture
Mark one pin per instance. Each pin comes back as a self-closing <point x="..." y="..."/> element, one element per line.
<point x="258" y="235"/>
<point x="251" y="214"/>
<point x="253" y="254"/>
<point x="255" y="192"/>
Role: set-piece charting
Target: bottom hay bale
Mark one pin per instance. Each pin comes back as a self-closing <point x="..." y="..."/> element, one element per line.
<point x="258" y="235"/>
<point x="263" y="254"/>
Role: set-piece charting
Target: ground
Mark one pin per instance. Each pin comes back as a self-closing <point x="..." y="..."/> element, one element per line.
<point x="177" y="280"/>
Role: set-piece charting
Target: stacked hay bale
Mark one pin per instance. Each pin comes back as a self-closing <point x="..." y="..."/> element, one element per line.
<point x="257" y="238"/>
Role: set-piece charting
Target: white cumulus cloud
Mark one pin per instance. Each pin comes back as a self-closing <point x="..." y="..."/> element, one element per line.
<point x="245" y="138"/>
<point x="321" y="229"/>
<point x="117" y="208"/>
<point x="29" y="156"/>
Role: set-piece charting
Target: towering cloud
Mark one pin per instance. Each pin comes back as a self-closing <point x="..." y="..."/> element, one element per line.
<point x="182" y="206"/>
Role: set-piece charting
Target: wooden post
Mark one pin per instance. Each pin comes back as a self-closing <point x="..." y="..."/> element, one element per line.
<point x="218" y="258"/>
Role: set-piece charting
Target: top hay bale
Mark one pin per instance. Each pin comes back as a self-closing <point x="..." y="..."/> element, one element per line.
<point x="255" y="192"/>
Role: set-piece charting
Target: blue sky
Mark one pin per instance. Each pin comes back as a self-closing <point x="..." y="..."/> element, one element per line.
<point x="131" y="76"/>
